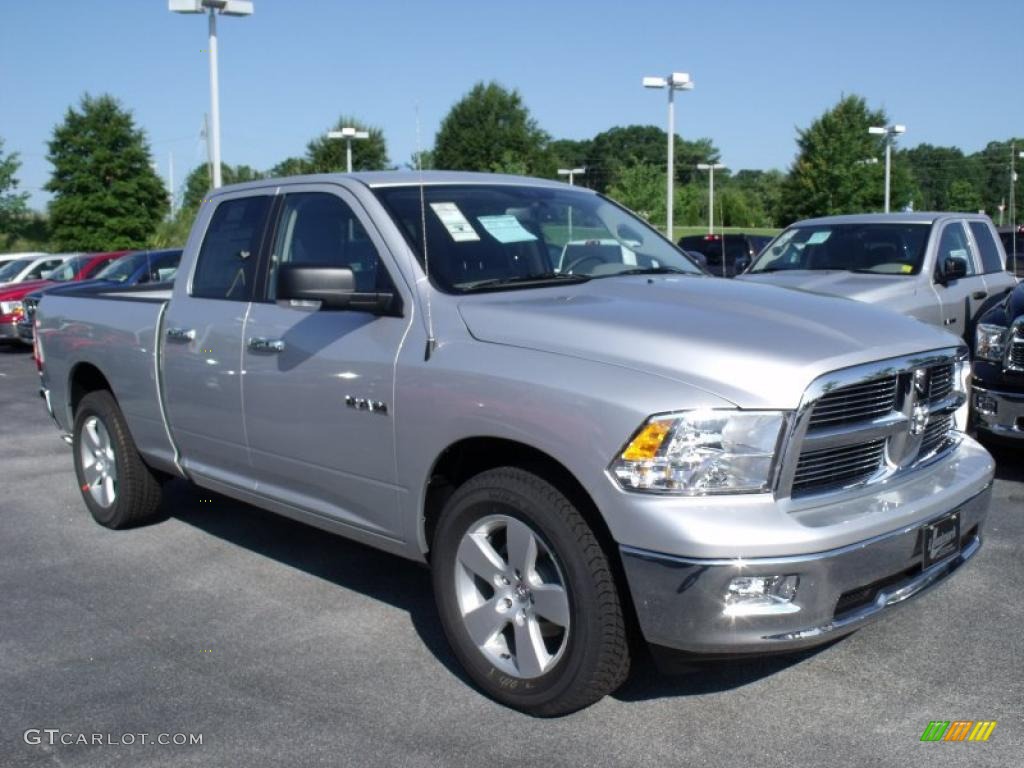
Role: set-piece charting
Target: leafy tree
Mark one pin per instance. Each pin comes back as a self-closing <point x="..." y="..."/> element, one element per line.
<point x="290" y="166"/>
<point x="641" y="188"/>
<point x="12" y="203"/>
<point x="829" y="175"/>
<point x="570" y="153"/>
<point x="324" y="155"/>
<point x="962" y="195"/>
<point x="617" y="148"/>
<point x="935" y="170"/>
<point x="106" y="194"/>
<point x="422" y="160"/>
<point x="198" y="182"/>
<point x="993" y="164"/>
<point x="490" y="128"/>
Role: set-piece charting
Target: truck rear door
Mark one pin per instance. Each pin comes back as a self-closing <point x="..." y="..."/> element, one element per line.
<point x="319" y="383"/>
<point x="998" y="281"/>
<point x="201" y="344"/>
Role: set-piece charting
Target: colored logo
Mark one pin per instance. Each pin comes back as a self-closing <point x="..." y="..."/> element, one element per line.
<point x="958" y="730"/>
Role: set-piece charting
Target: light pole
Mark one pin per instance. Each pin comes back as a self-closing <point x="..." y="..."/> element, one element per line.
<point x="711" y="168"/>
<point x="213" y="7"/>
<point x="348" y="133"/>
<point x="571" y="173"/>
<point x="1014" y="154"/>
<point x="888" y="131"/>
<point x="677" y="81"/>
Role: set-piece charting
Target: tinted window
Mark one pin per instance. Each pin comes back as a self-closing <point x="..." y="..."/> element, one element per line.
<point x="319" y="229"/>
<point x="991" y="261"/>
<point x="62" y="270"/>
<point x="954" y="243"/>
<point x="893" y="249"/>
<point x="12" y="268"/>
<point x="226" y="266"/>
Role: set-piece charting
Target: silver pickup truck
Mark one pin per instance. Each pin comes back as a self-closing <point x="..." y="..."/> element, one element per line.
<point x="583" y="449"/>
<point x="942" y="268"/>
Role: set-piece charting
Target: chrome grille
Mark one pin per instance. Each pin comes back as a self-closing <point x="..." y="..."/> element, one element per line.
<point x="936" y="434"/>
<point x="1016" y="356"/>
<point x="834" y="467"/>
<point x="858" y="402"/>
<point x="940" y="382"/>
<point x="30" y="307"/>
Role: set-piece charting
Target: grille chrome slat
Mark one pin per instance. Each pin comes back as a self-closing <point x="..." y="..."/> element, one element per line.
<point x="857" y="402"/>
<point x="1016" y="355"/>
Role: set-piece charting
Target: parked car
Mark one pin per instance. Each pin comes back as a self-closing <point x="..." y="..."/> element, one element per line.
<point x="1013" y="244"/>
<point x="739" y="468"/>
<point x="997" y="392"/>
<point x="736" y="251"/>
<point x="607" y="256"/>
<point x="942" y="268"/>
<point x="6" y="258"/>
<point x="137" y="268"/>
<point x="68" y="269"/>
<point x="30" y="267"/>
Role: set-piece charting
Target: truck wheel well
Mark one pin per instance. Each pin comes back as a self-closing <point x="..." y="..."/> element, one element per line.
<point x="86" y="378"/>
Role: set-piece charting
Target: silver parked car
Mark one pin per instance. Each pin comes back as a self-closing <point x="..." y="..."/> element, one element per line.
<point x="942" y="268"/>
<point x="396" y="358"/>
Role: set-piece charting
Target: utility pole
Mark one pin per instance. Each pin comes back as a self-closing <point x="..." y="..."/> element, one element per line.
<point x="711" y="168"/>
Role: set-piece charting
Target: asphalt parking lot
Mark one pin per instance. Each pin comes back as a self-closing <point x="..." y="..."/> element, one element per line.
<point x="282" y="645"/>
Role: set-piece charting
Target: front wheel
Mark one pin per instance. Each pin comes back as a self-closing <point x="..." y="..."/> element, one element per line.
<point x="526" y="595"/>
<point x="118" y="488"/>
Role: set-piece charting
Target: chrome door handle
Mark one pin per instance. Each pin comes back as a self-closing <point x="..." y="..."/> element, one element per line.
<point x="260" y="344"/>
<point x="181" y="334"/>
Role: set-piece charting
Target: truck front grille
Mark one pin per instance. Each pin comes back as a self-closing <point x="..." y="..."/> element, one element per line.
<point x="1016" y="356"/>
<point x="30" y="308"/>
<point x="855" y="403"/>
<point x="869" y="423"/>
<point x="834" y="467"/>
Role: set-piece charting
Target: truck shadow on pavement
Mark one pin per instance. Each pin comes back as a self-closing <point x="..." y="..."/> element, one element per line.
<point x="406" y="585"/>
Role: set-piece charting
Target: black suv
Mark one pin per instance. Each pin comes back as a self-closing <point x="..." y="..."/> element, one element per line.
<point x="735" y="251"/>
<point x="997" y="385"/>
<point x="1006" y="235"/>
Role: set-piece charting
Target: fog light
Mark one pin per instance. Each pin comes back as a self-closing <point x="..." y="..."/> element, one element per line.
<point x="986" y="404"/>
<point x="761" y="595"/>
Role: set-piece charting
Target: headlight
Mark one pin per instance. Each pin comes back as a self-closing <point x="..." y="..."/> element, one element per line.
<point x="701" y="452"/>
<point x="990" y="342"/>
<point x="10" y="307"/>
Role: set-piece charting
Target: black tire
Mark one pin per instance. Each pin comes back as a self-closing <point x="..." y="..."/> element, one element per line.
<point x="137" y="491"/>
<point x="594" y="657"/>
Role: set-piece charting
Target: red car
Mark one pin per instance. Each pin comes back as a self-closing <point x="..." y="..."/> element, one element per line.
<point x="74" y="269"/>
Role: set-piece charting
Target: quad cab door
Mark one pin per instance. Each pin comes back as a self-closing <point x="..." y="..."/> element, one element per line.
<point x="319" y="383"/>
<point x="201" y="344"/>
<point x="959" y="299"/>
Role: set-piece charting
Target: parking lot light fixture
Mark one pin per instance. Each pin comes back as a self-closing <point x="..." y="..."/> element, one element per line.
<point x="348" y="133"/>
<point x="213" y="7"/>
<point x="571" y="173"/>
<point x="711" y="168"/>
<point x="888" y="131"/>
<point x="677" y="81"/>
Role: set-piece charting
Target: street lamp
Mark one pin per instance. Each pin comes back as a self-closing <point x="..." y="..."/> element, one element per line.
<point x="348" y="133"/>
<point x="571" y="172"/>
<point x="677" y="81"/>
<point x="225" y="8"/>
<point x="1014" y="154"/>
<point x="711" y="168"/>
<point x="888" y="131"/>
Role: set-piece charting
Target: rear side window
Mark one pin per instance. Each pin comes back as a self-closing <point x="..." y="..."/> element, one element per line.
<point x="226" y="266"/>
<point x="991" y="261"/>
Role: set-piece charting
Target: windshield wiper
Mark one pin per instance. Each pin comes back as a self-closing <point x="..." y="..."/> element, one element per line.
<point x="651" y="271"/>
<point x="522" y="280"/>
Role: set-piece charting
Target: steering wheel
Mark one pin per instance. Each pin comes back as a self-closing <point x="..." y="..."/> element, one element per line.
<point x="582" y="259"/>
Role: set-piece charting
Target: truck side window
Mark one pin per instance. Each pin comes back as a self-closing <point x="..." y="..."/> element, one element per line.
<point x="990" y="258"/>
<point x="954" y="243"/>
<point x="226" y="265"/>
<point x="318" y="228"/>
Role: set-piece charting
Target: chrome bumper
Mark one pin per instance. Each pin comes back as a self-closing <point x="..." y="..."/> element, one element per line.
<point x="999" y="413"/>
<point x="680" y="602"/>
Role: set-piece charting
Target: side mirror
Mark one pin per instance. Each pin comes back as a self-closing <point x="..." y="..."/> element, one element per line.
<point x="332" y="287"/>
<point x="953" y="268"/>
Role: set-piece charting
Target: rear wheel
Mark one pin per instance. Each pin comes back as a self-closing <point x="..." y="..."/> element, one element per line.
<point x="526" y="595"/>
<point x="118" y="488"/>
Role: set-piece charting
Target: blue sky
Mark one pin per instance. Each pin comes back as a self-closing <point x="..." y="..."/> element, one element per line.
<point x="947" y="70"/>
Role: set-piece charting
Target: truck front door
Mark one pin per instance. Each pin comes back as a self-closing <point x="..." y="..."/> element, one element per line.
<point x="201" y="344"/>
<point x="958" y="298"/>
<point x="319" y="383"/>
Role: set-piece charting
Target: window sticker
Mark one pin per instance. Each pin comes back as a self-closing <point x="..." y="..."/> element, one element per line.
<point x="907" y="269"/>
<point x="457" y="225"/>
<point x="819" y="237"/>
<point x="506" y="229"/>
<point x="960" y="253"/>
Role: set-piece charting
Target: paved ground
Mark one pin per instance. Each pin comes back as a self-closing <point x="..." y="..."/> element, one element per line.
<point x="285" y="646"/>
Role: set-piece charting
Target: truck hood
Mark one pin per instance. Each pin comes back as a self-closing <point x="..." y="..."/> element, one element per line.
<point x="757" y="346"/>
<point x="873" y="289"/>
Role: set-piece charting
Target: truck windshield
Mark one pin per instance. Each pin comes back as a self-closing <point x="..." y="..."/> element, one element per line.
<point x="887" y="249"/>
<point x="11" y="268"/>
<point x="496" y="237"/>
<point x="120" y="270"/>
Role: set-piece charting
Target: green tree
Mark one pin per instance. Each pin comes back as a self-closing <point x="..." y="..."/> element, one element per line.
<point x="13" y="208"/>
<point x="106" y="194"/>
<point x="490" y="128"/>
<point x="641" y="188"/>
<point x="290" y="166"/>
<point x="935" y="170"/>
<point x="198" y="182"/>
<point x="620" y="147"/>
<point x="422" y="160"/>
<point x="324" y="155"/>
<point x="993" y="164"/>
<point x="829" y="175"/>
<point x="962" y="196"/>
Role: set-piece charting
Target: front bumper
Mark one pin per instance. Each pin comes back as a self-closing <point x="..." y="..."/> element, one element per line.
<point x="680" y="602"/>
<point x="998" y="413"/>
